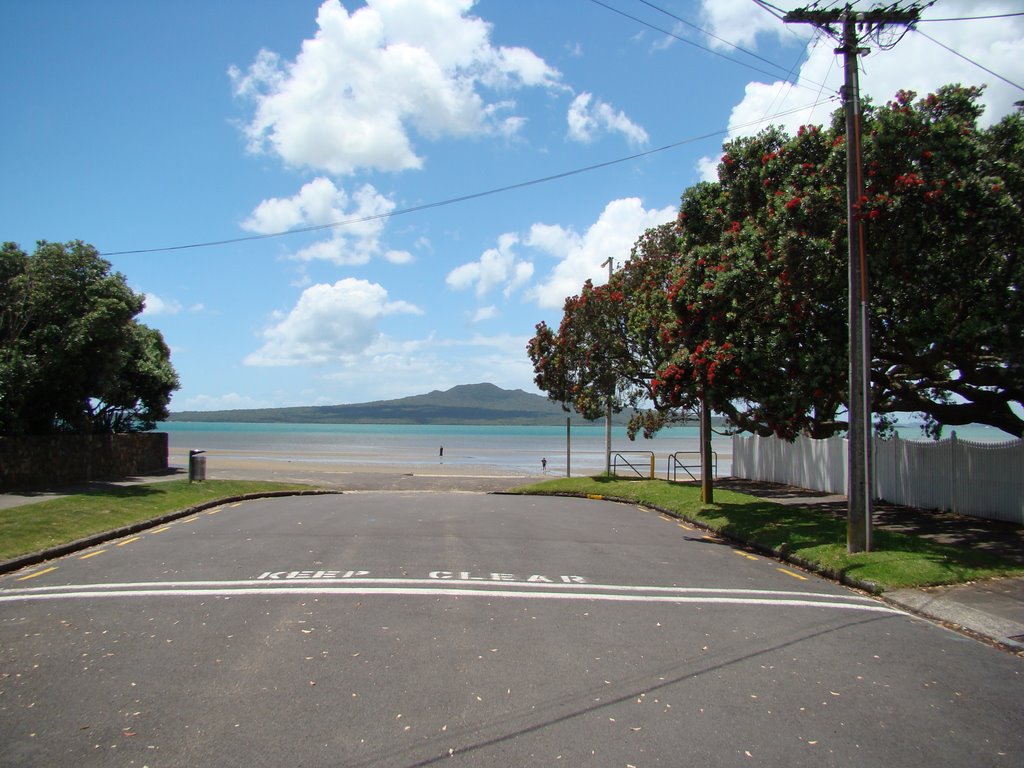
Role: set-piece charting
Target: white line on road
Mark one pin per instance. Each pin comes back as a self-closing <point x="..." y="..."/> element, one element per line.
<point x="414" y="587"/>
<point x="447" y="583"/>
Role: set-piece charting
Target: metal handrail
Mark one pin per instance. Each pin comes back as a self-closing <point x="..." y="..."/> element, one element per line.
<point x="620" y="455"/>
<point x="674" y="464"/>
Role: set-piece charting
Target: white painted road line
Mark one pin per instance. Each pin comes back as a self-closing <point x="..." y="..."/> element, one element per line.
<point x="409" y="592"/>
<point x="447" y="583"/>
<point x="419" y="587"/>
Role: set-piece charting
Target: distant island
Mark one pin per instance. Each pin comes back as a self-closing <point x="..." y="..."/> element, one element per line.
<point x="470" y="404"/>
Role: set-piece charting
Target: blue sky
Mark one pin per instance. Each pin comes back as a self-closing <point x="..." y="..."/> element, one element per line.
<point x="145" y="125"/>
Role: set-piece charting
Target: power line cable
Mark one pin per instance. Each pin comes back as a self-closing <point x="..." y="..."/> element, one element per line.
<point x="710" y="34"/>
<point x="973" y="18"/>
<point x="782" y="93"/>
<point x="970" y="60"/>
<point x="461" y="198"/>
<point x="692" y="43"/>
<point x="775" y="11"/>
<point x="789" y="79"/>
<point x="831" y="64"/>
<point x="808" y="49"/>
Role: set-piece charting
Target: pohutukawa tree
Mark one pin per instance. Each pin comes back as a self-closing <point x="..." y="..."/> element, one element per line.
<point x="613" y="338"/>
<point x="743" y="299"/>
<point x="761" y="292"/>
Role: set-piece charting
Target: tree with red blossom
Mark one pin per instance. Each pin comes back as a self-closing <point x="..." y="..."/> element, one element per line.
<point x="743" y="301"/>
<point x="753" y="330"/>
<point x="613" y="338"/>
<point x="761" y="294"/>
<point x="944" y="206"/>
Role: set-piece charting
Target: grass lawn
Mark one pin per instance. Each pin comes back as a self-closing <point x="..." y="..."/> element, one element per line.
<point x="34" y="527"/>
<point x="815" y="538"/>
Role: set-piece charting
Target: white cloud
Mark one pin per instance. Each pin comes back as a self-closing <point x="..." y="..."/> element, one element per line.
<point x="157" y="306"/>
<point x="915" y="63"/>
<point x="485" y="313"/>
<point x="580" y="256"/>
<point x="357" y="89"/>
<point x="587" y="119"/>
<point x="228" y="402"/>
<point x="496" y="267"/>
<point x="329" y="323"/>
<point x="390" y="368"/>
<point x="320" y="202"/>
<point x="707" y="167"/>
<point x="738" y="21"/>
<point x="664" y="42"/>
<point x="399" y="257"/>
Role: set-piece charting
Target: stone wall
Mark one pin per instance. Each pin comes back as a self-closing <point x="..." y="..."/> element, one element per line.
<point x="54" y="460"/>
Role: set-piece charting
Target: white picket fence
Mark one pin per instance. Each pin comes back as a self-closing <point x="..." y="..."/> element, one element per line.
<point x="978" y="479"/>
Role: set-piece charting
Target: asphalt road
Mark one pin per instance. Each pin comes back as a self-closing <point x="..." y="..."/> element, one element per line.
<point x="414" y="629"/>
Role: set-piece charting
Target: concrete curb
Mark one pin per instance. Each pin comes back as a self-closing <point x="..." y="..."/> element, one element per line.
<point x="24" y="561"/>
<point x="960" y="617"/>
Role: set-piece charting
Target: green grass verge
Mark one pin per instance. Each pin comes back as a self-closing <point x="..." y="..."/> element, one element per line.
<point x="30" y="528"/>
<point x="816" y="538"/>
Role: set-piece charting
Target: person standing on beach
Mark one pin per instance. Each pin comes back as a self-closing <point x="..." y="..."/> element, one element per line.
<point x="440" y="453"/>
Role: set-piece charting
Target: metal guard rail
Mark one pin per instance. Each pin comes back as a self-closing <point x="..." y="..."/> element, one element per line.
<point x="675" y="464"/>
<point x="648" y="465"/>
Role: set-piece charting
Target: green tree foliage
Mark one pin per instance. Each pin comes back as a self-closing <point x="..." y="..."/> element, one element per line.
<point x="612" y="339"/>
<point x="944" y="205"/>
<point x="72" y="356"/>
<point x="748" y="305"/>
<point x="761" y="296"/>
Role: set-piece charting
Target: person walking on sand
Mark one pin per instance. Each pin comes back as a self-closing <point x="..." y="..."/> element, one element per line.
<point x="544" y="463"/>
<point x="440" y="454"/>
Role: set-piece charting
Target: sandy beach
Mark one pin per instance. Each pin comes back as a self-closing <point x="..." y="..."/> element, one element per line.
<point x="352" y="472"/>
<point x="354" y="476"/>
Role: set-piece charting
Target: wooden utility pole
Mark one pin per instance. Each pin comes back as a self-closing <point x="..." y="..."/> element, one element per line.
<point x="610" y="263"/>
<point x="859" y="476"/>
<point x="707" y="483"/>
